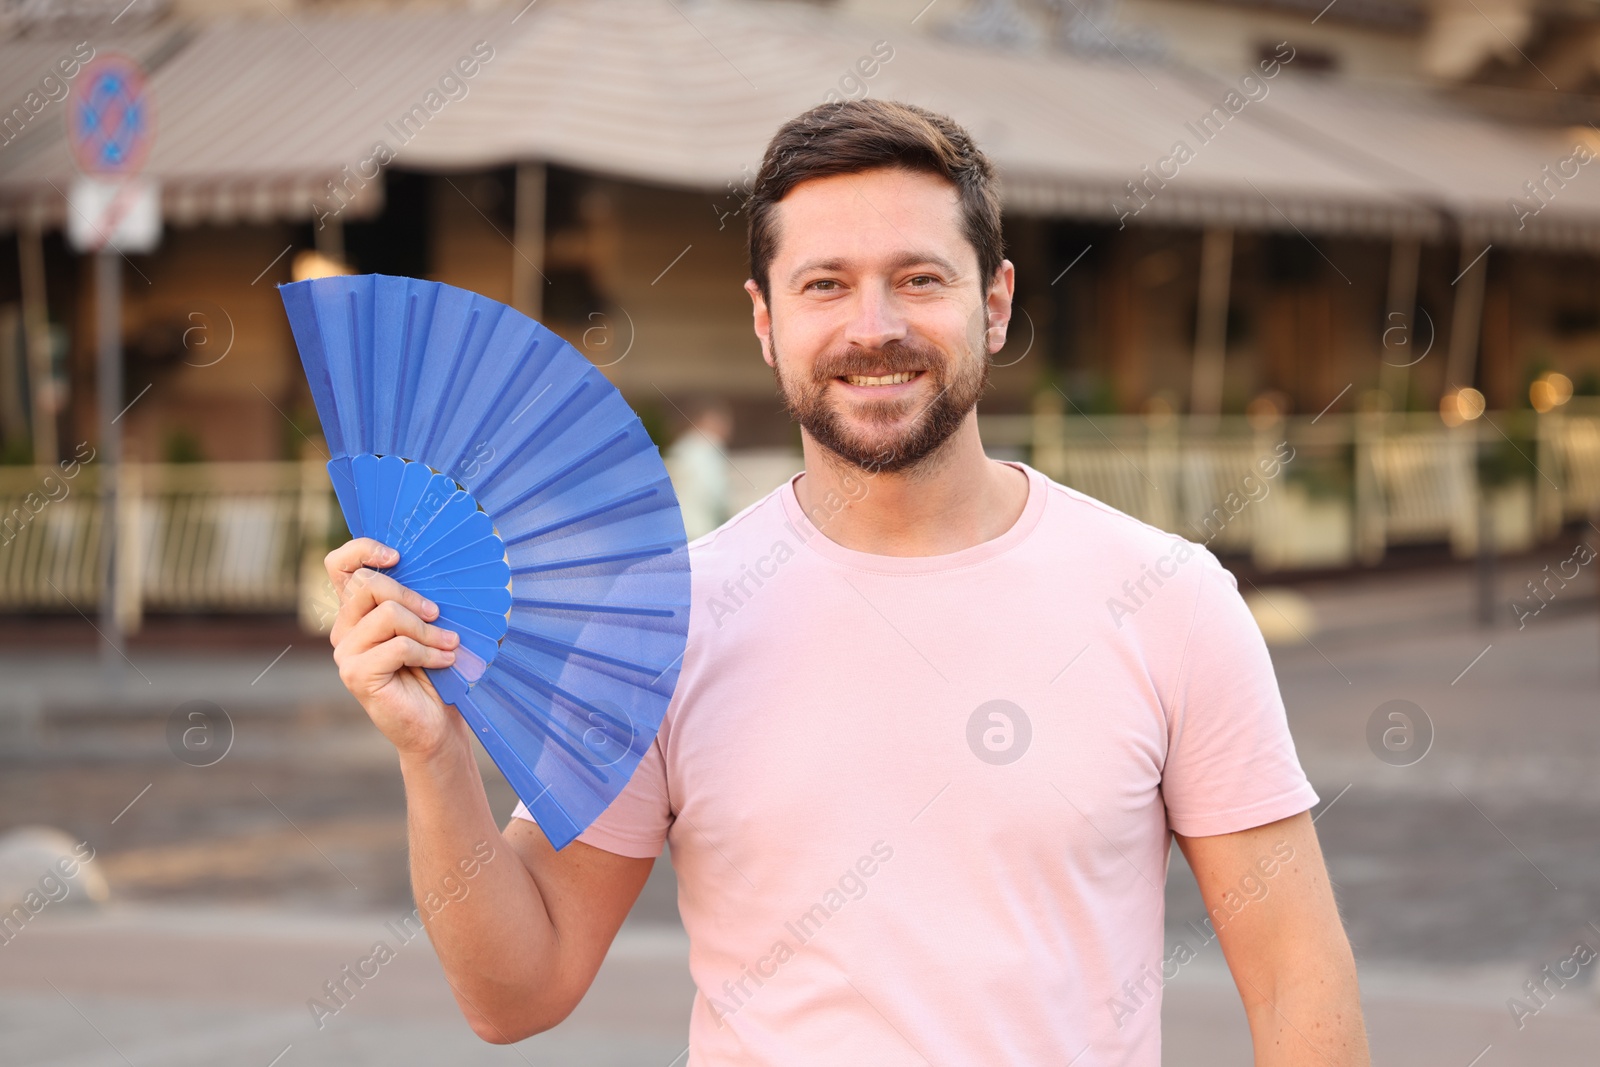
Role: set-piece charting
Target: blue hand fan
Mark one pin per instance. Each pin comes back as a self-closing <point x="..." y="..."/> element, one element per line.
<point x="526" y="500"/>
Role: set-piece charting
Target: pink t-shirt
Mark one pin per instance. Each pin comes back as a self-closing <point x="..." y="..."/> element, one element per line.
<point x="920" y="807"/>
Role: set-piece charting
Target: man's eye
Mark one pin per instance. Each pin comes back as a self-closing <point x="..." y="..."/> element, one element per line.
<point x="822" y="282"/>
<point x="922" y="280"/>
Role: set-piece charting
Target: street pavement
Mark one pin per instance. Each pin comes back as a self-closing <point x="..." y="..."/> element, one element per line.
<point x="240" y="887"/>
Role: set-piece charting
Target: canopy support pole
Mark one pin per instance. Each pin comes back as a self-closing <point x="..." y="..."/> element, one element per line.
<point x="1211" y="323"/>
<point x="1399" y="351"/>
<point x="1466" y="316"/>
<point x="527" y="240"/>
<point x="329" y="238"/>
<point x="36" y="340"/>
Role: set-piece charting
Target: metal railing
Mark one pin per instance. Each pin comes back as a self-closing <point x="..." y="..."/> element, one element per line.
<point x="1336" y="490"/>
<point x="1332" y="490"/>
<point x="223" y="537"/>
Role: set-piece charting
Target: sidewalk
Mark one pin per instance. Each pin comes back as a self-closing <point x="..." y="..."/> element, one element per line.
<point x="1458" y="875"/>
<point x="78" y="991"/>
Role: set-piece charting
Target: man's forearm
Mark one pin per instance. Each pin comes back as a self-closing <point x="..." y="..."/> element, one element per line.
<point x="1309" y="1019"/>
<point x="492" y="931"/>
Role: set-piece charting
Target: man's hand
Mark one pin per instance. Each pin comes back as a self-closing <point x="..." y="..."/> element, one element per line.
<point x="381" y="639"/>
<point x="1269" y="899"/>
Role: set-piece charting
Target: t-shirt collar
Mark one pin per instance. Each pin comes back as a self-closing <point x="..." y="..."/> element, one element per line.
<point x="813" y="535"/>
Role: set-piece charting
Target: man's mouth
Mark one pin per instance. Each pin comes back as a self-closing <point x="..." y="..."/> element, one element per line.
<point x="881" y="379"/>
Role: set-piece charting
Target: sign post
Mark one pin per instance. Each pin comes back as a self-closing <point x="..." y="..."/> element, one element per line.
<point x="111" y="211"/>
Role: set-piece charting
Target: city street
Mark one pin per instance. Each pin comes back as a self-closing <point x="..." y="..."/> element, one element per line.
<point x="238" y="889"/>
<point x="533" y="295"/>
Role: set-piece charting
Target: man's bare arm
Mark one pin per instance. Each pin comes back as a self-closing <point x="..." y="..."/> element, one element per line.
<point x="521" y="943"/>
<point x="1270" y="901"/>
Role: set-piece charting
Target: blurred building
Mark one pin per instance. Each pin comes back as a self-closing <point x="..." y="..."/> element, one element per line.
<point x="1214" y="207"/>
<point x="1388" y="148"/>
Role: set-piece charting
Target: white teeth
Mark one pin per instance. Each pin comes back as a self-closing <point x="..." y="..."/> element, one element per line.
<point x="886" y="379"/>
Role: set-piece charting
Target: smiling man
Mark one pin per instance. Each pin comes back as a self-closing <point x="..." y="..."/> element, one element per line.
<point x="920" y="789"/>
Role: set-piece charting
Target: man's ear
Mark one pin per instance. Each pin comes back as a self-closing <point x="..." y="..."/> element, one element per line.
<point x="762" y="318"/>
<point x="997" y="306"/>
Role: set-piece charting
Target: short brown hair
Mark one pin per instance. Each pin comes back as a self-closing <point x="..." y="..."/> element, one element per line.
<point x="857" y="135"/>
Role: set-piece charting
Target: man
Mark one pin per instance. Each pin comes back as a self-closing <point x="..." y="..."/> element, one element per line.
<point x="919" y="776"/>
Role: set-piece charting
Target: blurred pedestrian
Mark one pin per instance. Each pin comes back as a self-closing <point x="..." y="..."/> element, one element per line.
<point x="698" y="463"/>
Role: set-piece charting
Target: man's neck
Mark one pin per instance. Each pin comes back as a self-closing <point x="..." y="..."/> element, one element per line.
<point x="958" y="497"/>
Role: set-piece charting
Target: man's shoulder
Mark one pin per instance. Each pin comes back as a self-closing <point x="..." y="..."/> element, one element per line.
<point x="1107" y="533"/>
<point x="730" y="543"/>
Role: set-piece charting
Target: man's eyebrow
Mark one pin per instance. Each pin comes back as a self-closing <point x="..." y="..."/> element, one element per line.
<point x="816" y="264"/>
<point x="900" y="262"/>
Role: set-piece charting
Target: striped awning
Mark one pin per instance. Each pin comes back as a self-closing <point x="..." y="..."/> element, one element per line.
<point x="689" y="94"/>
<point x="283" y="118"/>
<point x="259" y="119"/>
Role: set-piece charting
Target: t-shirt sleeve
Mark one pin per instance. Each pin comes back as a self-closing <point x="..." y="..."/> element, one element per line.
<point x="1231" y="764"/>
<point x="636" y="823"/>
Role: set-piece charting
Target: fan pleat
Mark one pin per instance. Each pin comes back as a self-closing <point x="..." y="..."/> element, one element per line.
<point x="466" y="553"/>
<point x="588" y="513"/>
<point x="363" y="406"/>
<point x="319" y="375"/>
<point x="410" y="499"/>
<point x="593" y="561"/>
<point x="365" y="469"/>
<point x="491" y="725"/>
<point x="499" y="382"/>
<point x="538" y="428"/>
<point x="563" y="648"/>
<point x="344" y="488"/>
<point x="391" y="469"/>
<point x="433" y="518"/>
<point x="494" y="575"/>
<point x="555" y="725"/>
<point x="597" y="609"/>
<point x="462" y="360"/>
<point x="456" y="523"/>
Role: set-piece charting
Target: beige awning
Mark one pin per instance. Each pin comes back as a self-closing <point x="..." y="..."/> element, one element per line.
<point x="689" y="94"/>
<point x="256" y="117"/>
<point x="1473" y="168"/>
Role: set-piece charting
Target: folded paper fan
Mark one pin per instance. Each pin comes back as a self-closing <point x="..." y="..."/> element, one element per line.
<point x="526" y="500"/>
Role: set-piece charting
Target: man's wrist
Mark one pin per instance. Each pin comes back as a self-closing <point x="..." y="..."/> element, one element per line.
<point x="447" y="759"/>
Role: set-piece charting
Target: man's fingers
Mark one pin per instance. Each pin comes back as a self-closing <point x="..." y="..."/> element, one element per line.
<point x="343" y="562"/>
<point x="371" y="669"/>
<point x="390" y="619"/>
<point x="365" y="591"/>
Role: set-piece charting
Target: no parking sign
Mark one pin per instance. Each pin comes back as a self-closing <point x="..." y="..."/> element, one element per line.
<point x="110" y="126"/>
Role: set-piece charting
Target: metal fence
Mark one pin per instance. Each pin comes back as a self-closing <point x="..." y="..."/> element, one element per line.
<point x="222" y="537"/>
<point x="1327" y="491"/>
<point x="1331" y="491"/>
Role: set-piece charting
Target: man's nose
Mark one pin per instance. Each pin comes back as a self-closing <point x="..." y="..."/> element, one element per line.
<point x="877" y="318"/>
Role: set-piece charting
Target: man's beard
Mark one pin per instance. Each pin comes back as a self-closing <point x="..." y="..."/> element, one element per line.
<point x="956" y="393"/>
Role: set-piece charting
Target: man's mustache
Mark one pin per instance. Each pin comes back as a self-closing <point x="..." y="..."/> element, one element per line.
<point x="890" y="359"/>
